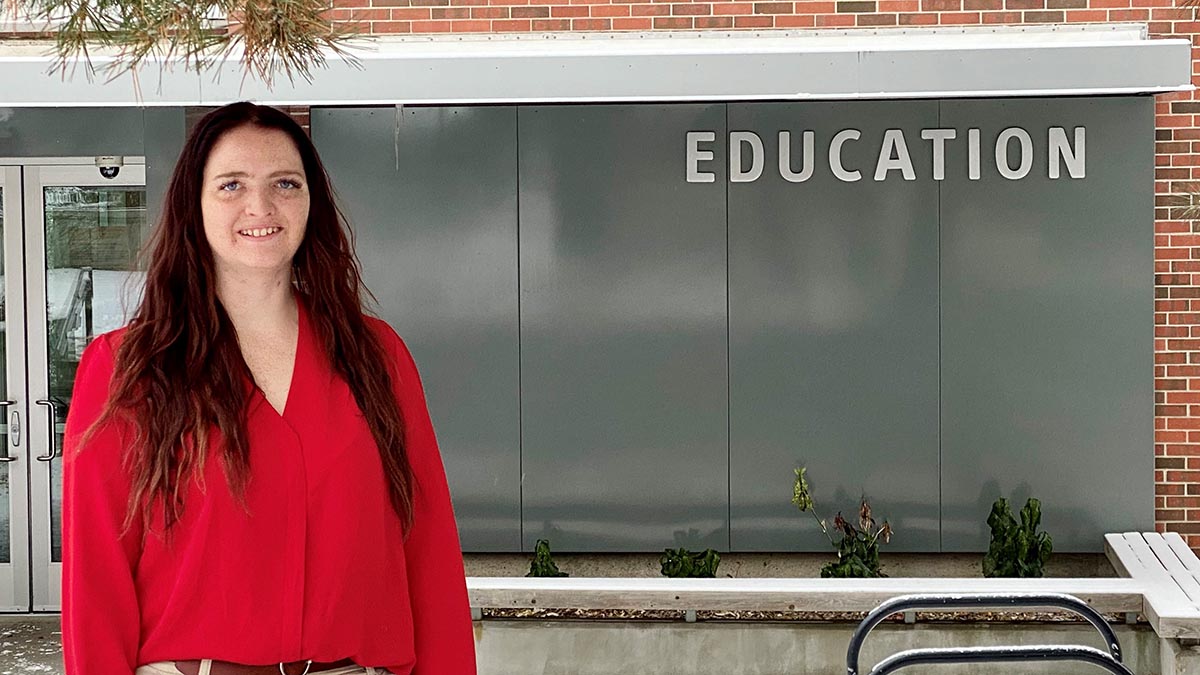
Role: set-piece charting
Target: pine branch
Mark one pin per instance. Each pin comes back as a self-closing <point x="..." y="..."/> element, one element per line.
<point x="268" y="36"/>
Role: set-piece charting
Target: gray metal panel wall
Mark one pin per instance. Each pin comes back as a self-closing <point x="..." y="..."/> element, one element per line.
<point x="833" y="329"/>
<point x="623" y="331"/>
<point x="1047" y="315"/>
<point x="165" y="130"/>
<point x="68" y="132"/>
<point x="431" y="194"/>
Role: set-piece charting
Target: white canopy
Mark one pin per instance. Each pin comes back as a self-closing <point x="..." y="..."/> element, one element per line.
<point x="979" y="61"/>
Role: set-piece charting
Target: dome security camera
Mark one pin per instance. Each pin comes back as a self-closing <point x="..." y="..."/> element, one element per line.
<point x="110" y="165"/>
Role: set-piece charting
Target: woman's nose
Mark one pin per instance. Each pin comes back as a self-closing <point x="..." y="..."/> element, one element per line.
<point x="259" y="202"/>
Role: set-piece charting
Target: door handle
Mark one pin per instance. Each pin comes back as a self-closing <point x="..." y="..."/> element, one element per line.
<point x="53" y="405"/>
<point x="14" y="432"/>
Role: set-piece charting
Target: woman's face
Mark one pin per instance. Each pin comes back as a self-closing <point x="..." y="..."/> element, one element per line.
<point x="254" y="200"/>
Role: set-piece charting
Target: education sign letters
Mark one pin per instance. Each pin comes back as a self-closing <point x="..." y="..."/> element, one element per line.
<point x="1013" y="154"/>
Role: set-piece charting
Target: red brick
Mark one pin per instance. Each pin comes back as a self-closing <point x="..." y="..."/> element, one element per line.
<point x="815" y="7"/>
<point x="673" y="22"/>
<point x="989" y="4"/>
<point x="489" y="12"/>
<point x="1086" y="15"/>
<point x="431" y="26"/>
<point x="1171" y="410"/>
<point x="451" y="13"/>
<point x="1128" y="15"/>
<point x="771" y="8"/>
<point x="380" y="27"/>
<point x="959" y="18"/>
<point x="631" y="24"/>
<point x="1050" y="16"/>
<point x="1162" y="515"/>
<point x="941" y="5"/>
<point x="512" y="26"/>
<point x="471" y="26"/>
<point x="897" y="5"/>
<point x="610" y="10"/>
<point x="785" y="21"/>
<point x="835" y="20"/>
<point x="753" y="22"/>
<point x="1170" y="436"/>
<point x="1163" y="489"/>
<point x="1002" y="17"/>
<point x="918" y="19"/>
<point x="650" y="10"/>
<point x="1180" y="397"/>
<point x="1173" y="121"/>
<point x="733" y="8"/>
<point x="1182" y="502"/>
<point x="876" y="19"/>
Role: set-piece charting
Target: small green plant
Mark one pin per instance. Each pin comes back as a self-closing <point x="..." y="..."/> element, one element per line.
<point x="542" y="564"/>
<point x="858" y="547"/>
<point x="1016" y="550"/>
<point x="682" y="563"/>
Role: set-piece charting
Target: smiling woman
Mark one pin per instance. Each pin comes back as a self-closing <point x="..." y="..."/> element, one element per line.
<point x="251" y="348"/>
<point x="242" y="209"/>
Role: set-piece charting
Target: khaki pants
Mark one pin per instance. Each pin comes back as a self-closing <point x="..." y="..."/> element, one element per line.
<point x="168" y="668"/>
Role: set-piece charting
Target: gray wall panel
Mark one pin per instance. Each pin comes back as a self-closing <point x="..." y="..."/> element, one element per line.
<point x="165" y="130"/>
<point x="833" y="330"/>
<point x="623" y="330"/>
<point x="1047" y="315"/>
<point x="433" y="203"/>
<point x="68" y="132"/>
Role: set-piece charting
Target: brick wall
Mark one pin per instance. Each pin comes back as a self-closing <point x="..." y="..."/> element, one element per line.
<point x="1177" y="144"/>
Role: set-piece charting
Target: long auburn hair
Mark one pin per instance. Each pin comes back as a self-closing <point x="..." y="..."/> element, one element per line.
<point x="179" y="372"/>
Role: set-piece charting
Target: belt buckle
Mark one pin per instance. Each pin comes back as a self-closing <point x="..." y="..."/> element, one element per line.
<point x="307" y="665"/>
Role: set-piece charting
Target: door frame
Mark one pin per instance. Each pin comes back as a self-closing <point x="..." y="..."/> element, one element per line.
<point x="46" y="576"/>
<point x="15" y="575"/>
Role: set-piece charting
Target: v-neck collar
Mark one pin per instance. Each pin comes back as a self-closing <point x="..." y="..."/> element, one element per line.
<point x="297" y="362"/>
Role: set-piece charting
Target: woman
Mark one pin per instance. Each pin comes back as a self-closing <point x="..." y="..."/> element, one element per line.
<point x="251" y="479"/>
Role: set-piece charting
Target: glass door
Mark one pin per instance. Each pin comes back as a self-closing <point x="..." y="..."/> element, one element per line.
<point x="82" y="237"/>
<point x="14" y="449"/>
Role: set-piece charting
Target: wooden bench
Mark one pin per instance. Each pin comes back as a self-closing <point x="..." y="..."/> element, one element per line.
<point x="1170" y="574"/>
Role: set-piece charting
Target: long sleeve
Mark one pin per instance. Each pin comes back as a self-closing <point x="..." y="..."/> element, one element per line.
<point x="100" y="612"/>
<point x="444" y="637"/>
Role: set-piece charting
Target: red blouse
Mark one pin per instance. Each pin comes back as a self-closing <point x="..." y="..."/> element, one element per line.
<point x="318" y="571"/>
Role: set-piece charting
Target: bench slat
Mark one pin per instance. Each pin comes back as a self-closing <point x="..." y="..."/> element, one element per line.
<point x="1191" y="586"/>
<point x="1162" y="550"/>
<point x="1181" y="549"/>
<point x="1146" y="560"/>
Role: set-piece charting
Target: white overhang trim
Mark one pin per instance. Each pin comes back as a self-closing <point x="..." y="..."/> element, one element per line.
<point x="1059" y="60"/>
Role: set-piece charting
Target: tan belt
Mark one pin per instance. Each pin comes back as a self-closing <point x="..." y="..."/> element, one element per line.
<point x="229" y="668"/>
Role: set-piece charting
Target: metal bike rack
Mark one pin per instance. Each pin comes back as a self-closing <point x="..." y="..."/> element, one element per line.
<point x="1110" y="660"/>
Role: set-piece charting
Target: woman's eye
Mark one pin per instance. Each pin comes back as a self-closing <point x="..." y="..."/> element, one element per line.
<point x="289" y="184"/>
<point x="225" y="186"/>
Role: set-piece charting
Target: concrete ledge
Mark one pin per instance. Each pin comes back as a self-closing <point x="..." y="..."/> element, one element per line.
<point x="605" y="648"/>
